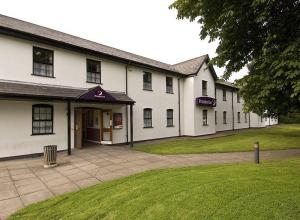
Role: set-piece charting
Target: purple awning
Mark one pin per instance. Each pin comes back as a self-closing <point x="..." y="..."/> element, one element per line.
<point x="206" y="101"/>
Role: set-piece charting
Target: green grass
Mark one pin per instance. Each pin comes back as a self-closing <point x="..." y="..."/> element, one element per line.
<point x="272" y="138"/>
<point x="239" y="191"/>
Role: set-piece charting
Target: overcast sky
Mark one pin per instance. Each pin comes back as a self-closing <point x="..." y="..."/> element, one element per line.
<point x="143" y="27"/>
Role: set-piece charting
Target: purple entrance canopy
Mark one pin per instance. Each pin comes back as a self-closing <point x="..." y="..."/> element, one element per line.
<point x="100" y="95"/>
<point x="206" y="101"/>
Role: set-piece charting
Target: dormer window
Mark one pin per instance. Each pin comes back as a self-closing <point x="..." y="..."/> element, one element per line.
<point x="93" y="69"/>
<point x="42" y="62"/>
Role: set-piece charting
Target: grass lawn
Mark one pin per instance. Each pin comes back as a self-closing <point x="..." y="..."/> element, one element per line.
<point x="272" y="138"/>
<point x="239" y="191"/>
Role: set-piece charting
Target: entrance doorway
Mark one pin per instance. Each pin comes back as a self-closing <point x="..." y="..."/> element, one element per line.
<point x="92" y="126"/>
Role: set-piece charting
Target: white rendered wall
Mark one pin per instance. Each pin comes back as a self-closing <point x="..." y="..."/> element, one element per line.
<point x="204" y="74"/>
<point x="224" y="106"/>
<point x="16" y="128"/>
<point x="69" y="67"/>
<point x="158" y="100"/>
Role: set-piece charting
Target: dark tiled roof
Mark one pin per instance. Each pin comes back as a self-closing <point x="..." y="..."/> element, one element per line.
<point x="226" y="83"/>
<point x="191" y="66"/>
<point x="23" y="90"/>
<point x="36" y="30"/>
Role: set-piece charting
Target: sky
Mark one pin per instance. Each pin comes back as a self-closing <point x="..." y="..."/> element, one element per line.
<point x="144" y="27"/>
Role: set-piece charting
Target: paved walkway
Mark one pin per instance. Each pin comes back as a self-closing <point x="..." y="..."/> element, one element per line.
<point x="25" y="181"/>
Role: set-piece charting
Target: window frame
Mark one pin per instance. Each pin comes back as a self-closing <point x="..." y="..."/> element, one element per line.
<point x="170" y="118"/>
<point x="204" y="90"/>
<point x="238" y="97"/>
<point x="96" y="73"/>
<point x="224" y="94"/>
<point x="45" y="120"/>
<point x="170" y="90"/>
<point x="239" y="117"/>
<point x="224" y="118"/>
<point x="148" y="118"/>
<point x="205" y="119"/>
<point x="34" y="48"/>
<point x="150" y="81"/>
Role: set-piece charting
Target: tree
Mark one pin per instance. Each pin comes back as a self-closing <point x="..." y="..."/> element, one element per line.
<point x="262" y="33"/>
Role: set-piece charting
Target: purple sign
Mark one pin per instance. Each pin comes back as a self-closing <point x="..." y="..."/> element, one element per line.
<point x="206" y="101"/>
<point x="97" y="93"/>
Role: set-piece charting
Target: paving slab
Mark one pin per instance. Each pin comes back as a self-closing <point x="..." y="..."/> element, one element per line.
<point x="25" y="181"/>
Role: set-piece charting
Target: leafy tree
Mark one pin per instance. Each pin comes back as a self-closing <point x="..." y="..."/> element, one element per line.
<point x="262" y="33"/>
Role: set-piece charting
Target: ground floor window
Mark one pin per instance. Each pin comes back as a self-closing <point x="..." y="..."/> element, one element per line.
<point x="170" y="118"/>
<point x="224" y="117"/>
<point x="246" y="117"/>
<point x="204" y="117"/>
<point x="216" y="117"/>
<point x="147" y="118"/>
<point x="239" y="117"/>
<point x="42" y="119"/>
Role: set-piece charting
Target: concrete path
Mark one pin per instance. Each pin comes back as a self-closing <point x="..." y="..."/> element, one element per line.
<point x="25" y="181"/>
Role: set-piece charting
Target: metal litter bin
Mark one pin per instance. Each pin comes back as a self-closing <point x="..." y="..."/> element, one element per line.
<point x="50" y="154"/>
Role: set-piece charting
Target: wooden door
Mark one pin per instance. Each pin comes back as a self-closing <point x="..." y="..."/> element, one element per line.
<point x="106" y="125"/>
<point x="78" y="128"/>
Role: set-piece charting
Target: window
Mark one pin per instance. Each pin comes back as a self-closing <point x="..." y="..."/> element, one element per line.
<point x="93" y="69"/>
<point x="238" y="97"/>
<point x="216" y="117"/>
<point x="170" y="118"/>
<point x="239" y="117"/>
<point x="204" y="117"/>
<point x="224" y="94"/>
<point x="224" y="117"/>
<point x="147" y="118"/>
<point x="261" y="119"/>
<point x="42" y="62"/>
<point x="266" y="119"/>
<point x="147" y="81"/>
<point x="42" y="119"/>
<point x="169" y="84"/>
<point x="246" y="118"/>
<point x="204" y="88"/>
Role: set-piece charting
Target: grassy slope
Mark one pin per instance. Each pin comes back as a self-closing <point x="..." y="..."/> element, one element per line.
<point x="266" y="191"/>
<point x="273" y="138"/>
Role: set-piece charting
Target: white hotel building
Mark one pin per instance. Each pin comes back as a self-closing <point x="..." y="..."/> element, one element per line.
<point x="58" y="89"/>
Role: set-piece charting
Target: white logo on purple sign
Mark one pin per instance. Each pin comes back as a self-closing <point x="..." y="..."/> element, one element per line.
<point x="99" y="94"/>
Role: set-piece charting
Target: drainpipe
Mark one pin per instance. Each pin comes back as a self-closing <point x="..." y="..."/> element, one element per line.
<point x="232" y="109"/>
<point x="126" y="92"/>
<point x="179" y="106"/>
<point x="69" y="126"/>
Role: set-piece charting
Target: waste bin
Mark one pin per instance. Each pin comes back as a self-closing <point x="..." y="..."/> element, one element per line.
<point x="50" y="153"/>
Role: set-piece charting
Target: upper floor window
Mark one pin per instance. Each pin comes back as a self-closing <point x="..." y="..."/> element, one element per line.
<point x="224" y="117"/>
<point x="93" y="69"/>
<point x="147" y="118"/>
<point x="42" y="62"/>
<point x="147" y="81"/>
<point x="224" y="94"/>
<point x="169" y="84"/>
<point x="238" y="97"/>
<point x="42" y="119"/>
<point x="246" y="118"/>
<point x="204" y="117"/>
<point x="239" y="117"/>
<point x="170" y="118"/>
<point x="204" y="88"/>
